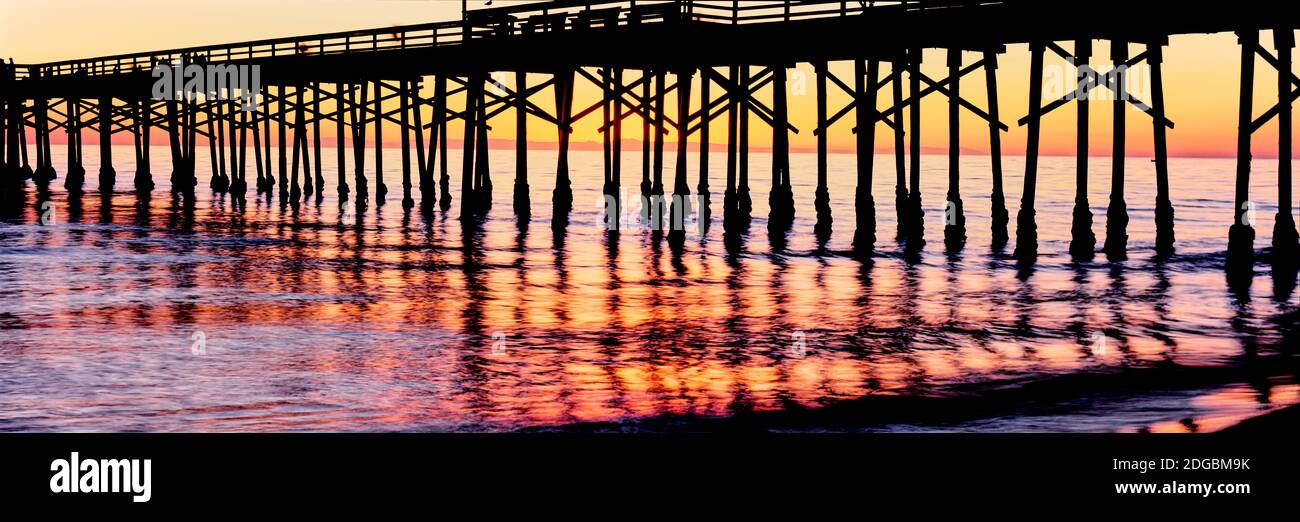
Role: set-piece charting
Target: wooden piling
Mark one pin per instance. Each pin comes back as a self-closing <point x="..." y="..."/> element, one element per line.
<point x="283" y="135"/>
<point x="657" y="203"/>
<point x="44" y="172"/>
<point x="340" y="139"/>
<point x="865" y="86"/>
<point x="702" y="188"/>
<point x="467" y="199"/>
<point x="482" y="167"/>
<point x="730" y="207"/>
<point x="316" y="116"/>
<point x="681" y="198"/>
<point x="781" y="197"/>
<point x="954" y="230"/>
<point x="562" y="196"/>
<point x="901" y="207"/>
<point x="616" y="168"/>
<point x="1164" y="207"/>
<point x="1116" y="245"/>
<point x="75" y="177"/>
<point x="1082" y="240"/>
<point x="143" y="122"/>
<point x="359" y="102"/>
<point x="239" y="186"/>
<point x="174" y="141"/>
<point x="299" y="143"/>
<point x="915" y="214"/>
<point x="381" y="189"/>
<point x="257" y="151"/>
<point x="522" y="200"/>
<point x="744" y="201"/>
<point x="440" y="116"/>
<point x="822" y="197"/>
<point x="1026" y="225"/>
<point x="107" y="174"/>
<point x="1241" y="235"/>
<point x="405" y="121"/>
<point x="999" y="214"/>
<point x="646" y="124"/>
<point x="423" y="159"/>
<point x="1284" y="231"/>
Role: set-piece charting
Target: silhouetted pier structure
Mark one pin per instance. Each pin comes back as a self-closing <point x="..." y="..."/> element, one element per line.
<point x="357" y="80"/>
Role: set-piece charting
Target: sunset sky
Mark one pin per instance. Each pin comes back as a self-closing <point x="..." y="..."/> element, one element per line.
<point x="1201" y="71"/>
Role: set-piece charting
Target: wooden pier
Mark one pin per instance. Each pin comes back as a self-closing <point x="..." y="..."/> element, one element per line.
<point x="638" y="54"/>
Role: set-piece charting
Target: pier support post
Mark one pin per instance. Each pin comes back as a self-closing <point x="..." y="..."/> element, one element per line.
<point x="190" y="143"/>
<point x="266" y="183"/>
<point x="229" y="122"/>
<point x="562" y="196"/>
<point x="75" y="178"/>
<point x="522" y="199"/>
<point x="611" y="115"/>
<point x="174" y="141"/>
<point x="781" y="197"/>
<point x="702" y="188"/>
<point x="1241" y="236"/>
<point x="340" y="139"/>
<point x="822" y="196"/>
<point x="405" y="118"/>
<point x="1164" y="207"/>
<point x="916" y="215"/>
<point x="316" y="116"/>
<point x="470" y="114"/>
<point x="865" y="75"/>
<point x="359" y="102"/>
<point x="616" y="169"/>
<point x="257" y="151"/>
<point x="954" y="230"/>
<point x="657" y="205"/>
<point x="299" y="144"/>
<point x="440" y="120"/>
<point x="482" y="168"/>
<point x="745" y="202"/>
<point x="1000" y="216"/>
<point x="26" y="168"/>
<point x="730" y="207"/>
<point x="381" y="189"/>
<point x="213" y="114"/>
<point x="900" y="158"/>
<point x="424" y="156"/>
<point x="1116" y="246"/>
<point x="646" y="124"/>
<point x="1082" y="240"/>
<point x="1026" y="226"/>
<point x="681" y="198"/>
<point x="107" y="174"/>
<point x="1284" y="231"/>
<point x="143" y="120"/>
<point x="44" y="172"/>
<point x="238" y="156"/>
<point x="283" y="149"/>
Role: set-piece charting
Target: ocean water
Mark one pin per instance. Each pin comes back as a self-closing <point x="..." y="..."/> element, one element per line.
<point x="122" y="314"/>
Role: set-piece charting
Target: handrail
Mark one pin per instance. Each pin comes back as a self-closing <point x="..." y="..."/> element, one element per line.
<point x="494" y="22"/>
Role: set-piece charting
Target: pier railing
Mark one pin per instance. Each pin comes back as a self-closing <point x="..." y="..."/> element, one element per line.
<point x="519" y="20"/>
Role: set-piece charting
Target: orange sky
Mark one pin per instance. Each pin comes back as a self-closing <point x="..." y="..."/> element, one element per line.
<point x="1201" y="71"/>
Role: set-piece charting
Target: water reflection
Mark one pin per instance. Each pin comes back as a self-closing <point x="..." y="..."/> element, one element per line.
<point x="348" y="315"/>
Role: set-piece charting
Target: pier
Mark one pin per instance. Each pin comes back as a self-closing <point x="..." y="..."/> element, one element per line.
<point x="638" y="54"/>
